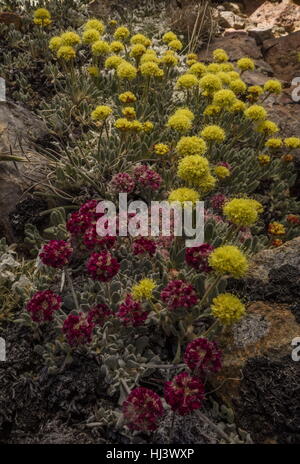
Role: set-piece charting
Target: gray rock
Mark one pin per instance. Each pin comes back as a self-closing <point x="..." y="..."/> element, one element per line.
<point x="229" y="19"/>
<point x="269" y="260"/>
<point x="261" y="33"/>
<point x="19" y="129"/>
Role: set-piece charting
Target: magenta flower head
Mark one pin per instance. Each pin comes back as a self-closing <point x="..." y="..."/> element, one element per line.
<point x="98" y="314"/>
<point x="218" y="201"/>
<point x="78" y="223"/>
<point x="122" y="183"/>
<point x="131" y="312"/>
<point x="81" y="220"/>
<point x="90" y="208"/>
<point x="143" y="246"/>
<point x="77" y="329"/>
<point x="202" y="356"/>
<point x="184" y="393"/>
<point x="179" y="294"/>
<point x="142" y="409"/>
<point x="92" y="240"/>
<point x="56" y="253"/>
<point x="42" y="305"/>
<point x="102" y="266"/>
<point x="197" y="257"/>
<point x="146" y="177"/>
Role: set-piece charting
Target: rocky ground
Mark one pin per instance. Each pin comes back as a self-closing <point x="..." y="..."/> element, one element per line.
<point x="259" y="372"/>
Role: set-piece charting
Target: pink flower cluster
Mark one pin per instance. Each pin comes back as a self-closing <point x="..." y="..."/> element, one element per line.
<point x="122" y="183"/>
<point x="179" y="294"/>
<point x="98" y="314"/>
<point x="218" y="201"/>
<point x="143" y="246"/>
<point x="77" y="329"/>
<point x="146" y="178"/>
<point x="184" y="393"/>
<point x="202" y="356"/>
<point x="197" y="257"/>
<point x="142" y="409"/>
<point x="92" y="240"/>
<point x="56" y="253"/>
<point x="42" y="305"/>
<point x="82" y="224"/>
<point x="131" y="312"/>
<point x="102" y="266"/>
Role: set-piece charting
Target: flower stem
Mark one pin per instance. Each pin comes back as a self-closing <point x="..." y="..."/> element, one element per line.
<point x="71" y="286"/>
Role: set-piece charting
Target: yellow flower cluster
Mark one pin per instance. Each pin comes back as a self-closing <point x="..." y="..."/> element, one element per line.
<point x="228" y="259"/>
<point x="264" y="159"/>
<point x="198" y="69"/>
<point x="175" y="44"/>
<point x="143" y="290"/>
<point x="116" y="46"/>
<point x="127" y="97"/>
<point x="242" y="211"/>
<point x="227" y="308"/>
<point x="191" y="146"/>
<point x="66" y="53"/>
<point x="121" y="33"/>
<point x="187" y="81"/>
<point x="140" y="39"/>
<point x="169" y="36"/>
<point x="95" y="24"/>
<point x="93" y="71"/>
<point x="151" y="69"/>
<point x="246" y="64"/>
<point x="90" y="36"/>
<point x="123" y="124"/>
<point x="224" y="98"/>
<point x="267" y="127"/>
<point x="292" y="142"/>
<point x="220" y="55"/>
<point x="275" y="228"/>
<point x="126" y="70"/>
<point x="112" y="62"/>
<point x="137" y="50"/>
<point x="210" y="83"/>
<point x="161" y="149"/>
<point x="222" y="172"/>
<point x="212" y="110"/>
<point x="69" y="38"/>
<point x="101" y="113"/>
<point x="181" y="120"/>
<point x="100" y="47"/>
<point x="193" y="168"/>
<point x="169" y="58"/>
<point x="238" y="86"/>
<point x="183" y="195"/>
<point x="213" y="134"/>
<point x="255" y="112"/>
<point x="129" y="112"/>
<point x="273" y="143"/>
<point x="42" y="17"/>
<point x="273" y="86"/>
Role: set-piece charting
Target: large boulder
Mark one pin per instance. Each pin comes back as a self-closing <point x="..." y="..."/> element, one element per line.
<point x="19" y="130"/>
<point x="285" y="14"/>
<point x="258" y="373"/>
<point x="274" y="276"/>
<point x="282" y="55"/>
